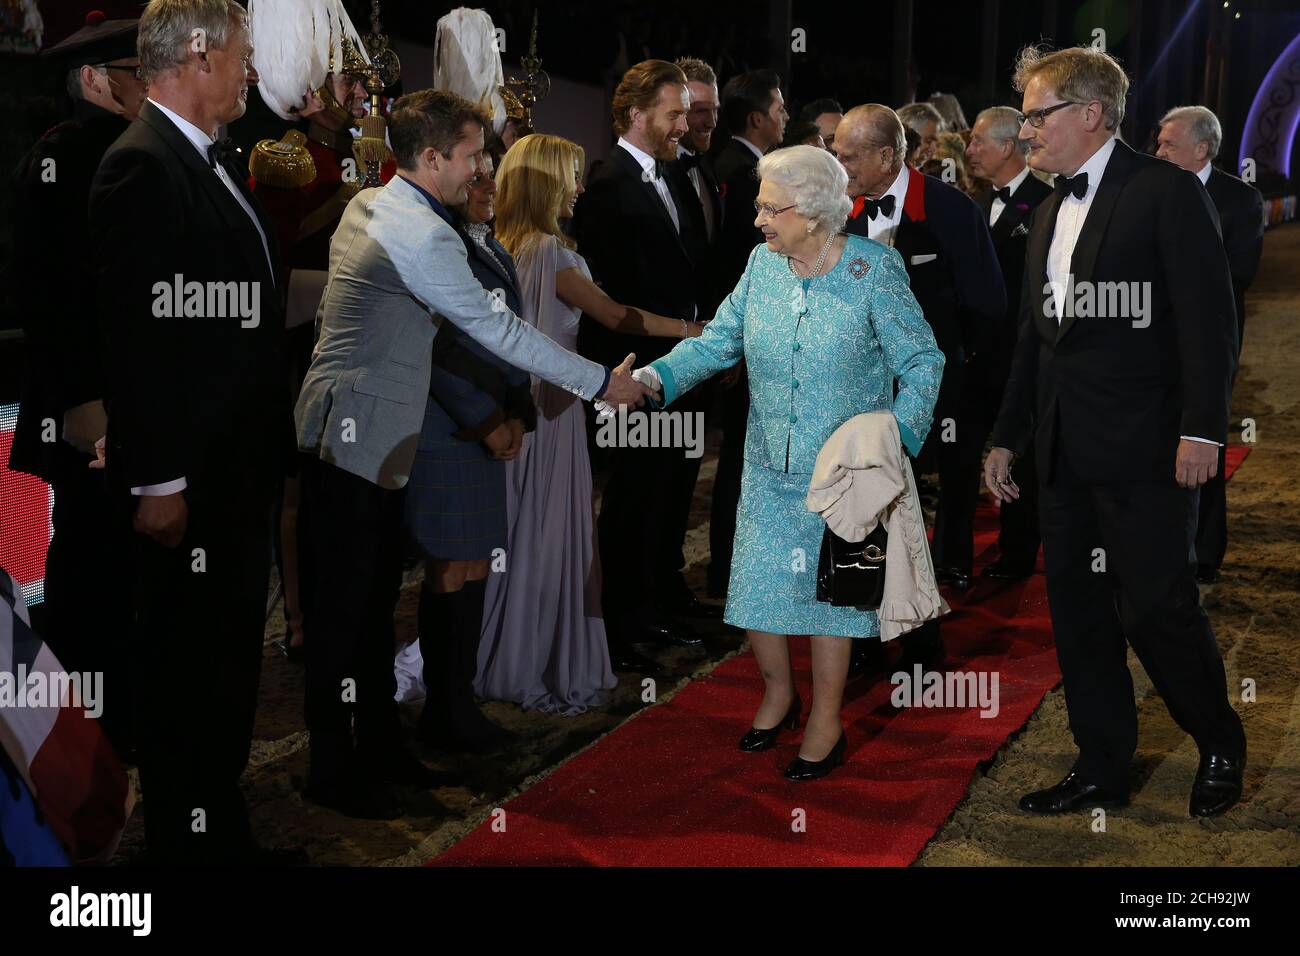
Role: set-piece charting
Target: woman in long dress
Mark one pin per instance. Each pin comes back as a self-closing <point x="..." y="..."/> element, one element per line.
<point x="543" y="644"/>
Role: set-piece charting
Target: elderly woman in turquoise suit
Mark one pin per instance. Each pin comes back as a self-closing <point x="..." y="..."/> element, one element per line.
<point x="827" y="326"/>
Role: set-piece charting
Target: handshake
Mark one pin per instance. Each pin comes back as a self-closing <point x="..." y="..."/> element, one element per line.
<point x="627" y="387"/>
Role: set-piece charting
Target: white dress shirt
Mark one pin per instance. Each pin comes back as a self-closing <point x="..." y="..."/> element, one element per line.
<point x="998" y="204"/>
<point x="660" y="184"/>
<point x="1069" y="224"/>
<point x="1204" y="173"/>
<point x="883" y="227"/>
<point x="201" y="142"/>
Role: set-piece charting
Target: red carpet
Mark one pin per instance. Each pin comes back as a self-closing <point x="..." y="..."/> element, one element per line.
<point x="669" y="788"/>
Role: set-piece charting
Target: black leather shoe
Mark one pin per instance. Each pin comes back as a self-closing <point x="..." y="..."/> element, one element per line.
<point x="801" y="769"/>
<point x="953" y="577"/>
<point x="465" y="731"/>
<point x="1217" y="787"/>
<point x="355" y="797"/>
<point x="692" y="607"/>
<point x="1206" y="574"/>
<point x="1004" y="570"/>
<point x="402" y="768"/>
<point x="651" y="631"/>
<point x="1071" y="795"/>
<point x="757" y="739"/>
<point x="866" y="657"/>
<point x="624" y="658"/>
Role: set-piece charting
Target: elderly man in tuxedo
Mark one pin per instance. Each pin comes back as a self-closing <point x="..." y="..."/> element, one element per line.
<point x="954" y="273"/>
<point x="1127" y="403"/>
<point x="997" y="153"/>
<point x="1190" y="137"/>
<point x="398" y="269"/>
<point x="198" y="420"/>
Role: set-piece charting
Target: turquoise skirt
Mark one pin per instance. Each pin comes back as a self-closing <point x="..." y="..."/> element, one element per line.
<point x="774" y="566"/>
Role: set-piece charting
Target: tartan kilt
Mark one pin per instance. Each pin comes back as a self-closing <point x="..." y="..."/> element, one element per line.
<point x="456" y="498"/>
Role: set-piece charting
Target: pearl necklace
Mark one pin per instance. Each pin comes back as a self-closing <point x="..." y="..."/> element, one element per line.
<point x="821" y="259"/>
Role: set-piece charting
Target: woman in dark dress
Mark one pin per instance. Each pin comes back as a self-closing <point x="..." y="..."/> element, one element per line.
<point x="478" y="410"/>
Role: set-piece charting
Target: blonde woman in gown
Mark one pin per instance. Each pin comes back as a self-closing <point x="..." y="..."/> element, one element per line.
<point x="543" y="644"/>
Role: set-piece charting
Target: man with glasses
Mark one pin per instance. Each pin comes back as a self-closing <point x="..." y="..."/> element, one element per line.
<point x="954" y="273"/>
<point x="1127" y="408"/>
<point x="85" y="611"/>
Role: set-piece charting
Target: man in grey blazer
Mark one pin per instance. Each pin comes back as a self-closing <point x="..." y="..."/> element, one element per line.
<point x="397" y="270"/>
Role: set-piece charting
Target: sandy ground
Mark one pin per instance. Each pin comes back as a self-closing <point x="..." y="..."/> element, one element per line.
<point x="1255" y="608"/>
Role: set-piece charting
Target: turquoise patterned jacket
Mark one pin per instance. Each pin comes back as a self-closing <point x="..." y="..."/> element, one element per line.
<point x="819" y="351"/>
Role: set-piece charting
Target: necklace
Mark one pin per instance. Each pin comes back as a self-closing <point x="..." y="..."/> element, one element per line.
<point x="821" y="259"/>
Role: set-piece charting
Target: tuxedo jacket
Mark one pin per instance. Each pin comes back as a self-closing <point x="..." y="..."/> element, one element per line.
<point x="736" y="169"/>
<point x="1241" y="220"/>
<point x="53" y="279"/>
<point x="945" y="243"/>
<point x="635" y="255"/>
<point x="1117" y="392"/>
<point x="201" y="397"/>
<point x="474" y="388"/>
<point x="704" y="249"/>
<point x="988" y="369"/>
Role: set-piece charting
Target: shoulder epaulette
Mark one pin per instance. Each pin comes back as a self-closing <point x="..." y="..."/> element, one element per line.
<point x="284" y="163"/>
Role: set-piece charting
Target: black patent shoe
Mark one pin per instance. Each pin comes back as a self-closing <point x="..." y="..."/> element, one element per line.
<point x="756" y="740"/>
<point x="1217" y="787"/>
<point x="1072" y="795"/>
<point x="801" y="769"/>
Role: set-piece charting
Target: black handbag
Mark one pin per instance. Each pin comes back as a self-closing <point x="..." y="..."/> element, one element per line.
<point x="852" y="573"/>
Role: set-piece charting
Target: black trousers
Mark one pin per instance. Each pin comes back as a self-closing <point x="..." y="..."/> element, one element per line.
<point x="726" y="484"/>
<point x="1147" y="595"/>
<point x="954" y="534"/>
<point x="87" y="608"/>
<point x="956" y="509"/>
<point x="1212" y="520"/>
<point x="200" y="613"/>
<point x="357" y="539"/>
<point x="636" y="531"/>
<point x="681" y="495"/>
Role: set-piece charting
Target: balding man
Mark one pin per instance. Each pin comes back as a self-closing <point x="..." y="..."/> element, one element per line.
<point x="1122" y="376"/>
<point x="997" y="154"/>
<point x="945" y="243"/>
<point x="1190" y="137"/>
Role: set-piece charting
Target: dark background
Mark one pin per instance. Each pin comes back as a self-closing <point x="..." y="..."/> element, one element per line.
<point x="890" y="51"/>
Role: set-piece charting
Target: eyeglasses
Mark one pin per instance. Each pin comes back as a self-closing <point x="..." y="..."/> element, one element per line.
<point x="1036" y="118"/>
<point x="768" y="211"/>
<point x="135" y="71"/>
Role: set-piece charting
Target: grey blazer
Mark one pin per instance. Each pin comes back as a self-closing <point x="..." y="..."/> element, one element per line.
<point x="397" y="269"/>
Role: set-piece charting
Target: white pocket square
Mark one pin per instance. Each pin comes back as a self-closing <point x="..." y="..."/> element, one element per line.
<point x="1020" y="230"/>
<point x="922" y="260"/>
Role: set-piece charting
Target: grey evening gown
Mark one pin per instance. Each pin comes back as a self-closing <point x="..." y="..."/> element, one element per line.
<point x="543" y="643"/>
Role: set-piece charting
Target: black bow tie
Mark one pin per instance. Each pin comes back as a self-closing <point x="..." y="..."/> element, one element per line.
<point x="221" y="152"/>
<point x="660" y="169"/>
<point x="884" y="204"/>
<point x="1076" y="186"/>
<point x="1004" y="194"/>
<point x="689" y="161"/>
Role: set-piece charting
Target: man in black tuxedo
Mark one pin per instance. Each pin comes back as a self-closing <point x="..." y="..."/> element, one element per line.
<point x="198" y="420"/>
<point x="1122" y="375"/>
<point x="632" y="227"/>
<point x="753" y="112"/>
<point x="996" y="153"/>
<point x="84" y="614"/>
<point x="1190" y="137"/>
<point x="954" y="273"/>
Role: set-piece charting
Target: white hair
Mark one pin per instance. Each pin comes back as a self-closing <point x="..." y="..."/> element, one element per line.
<point x="1201" y="123"/>
<point x="817" y="183"/>
<point x="171" y="29"/>
<point x="1004" y="125"/>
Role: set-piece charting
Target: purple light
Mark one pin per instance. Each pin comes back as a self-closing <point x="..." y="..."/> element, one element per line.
<point x="1251" y="138"/>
